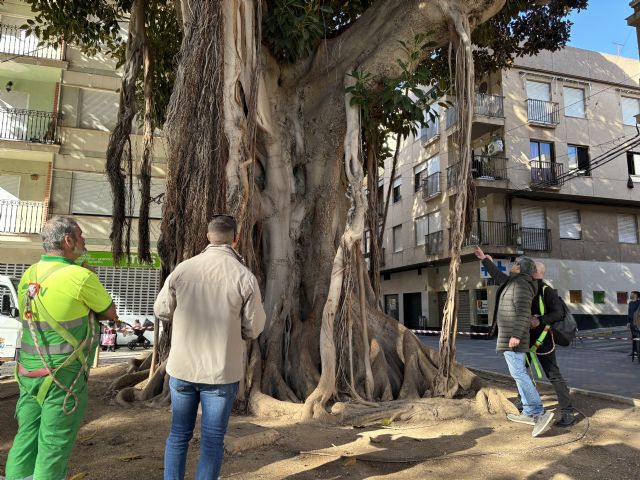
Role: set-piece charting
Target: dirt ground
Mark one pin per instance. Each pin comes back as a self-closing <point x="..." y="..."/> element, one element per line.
<point x="451" y="441"/>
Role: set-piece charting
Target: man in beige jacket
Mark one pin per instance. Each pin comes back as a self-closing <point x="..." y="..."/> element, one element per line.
<point x="214" y="304"/>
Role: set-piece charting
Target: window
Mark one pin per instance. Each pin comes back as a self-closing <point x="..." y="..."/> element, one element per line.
<point x="397" y="238"/>
<point x="570" y="227"/>
<point x="98" y="109"/>
<point x="541" y="151"/>
<point x="431" y="128"/>
<point x="397" y="183"/>
<point x="91" y="195"/>
<point x="627" y="228"/>
<point x="633" y="164"/>
<point x="539" y="90"/>
<point x="622" y="297"/>
<point x="533" y="217"/>
<point x="630" y="108"/>
<point x="579" y="160"/>
<point x="422" y="229"/>
<point x="574" y="102"/>
<point x="418" y="175"/>
<point x="598" y="297"/>
<point x="575" y="296"/>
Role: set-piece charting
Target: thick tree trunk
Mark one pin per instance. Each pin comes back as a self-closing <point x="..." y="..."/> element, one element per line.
<point x="279" y="147"/>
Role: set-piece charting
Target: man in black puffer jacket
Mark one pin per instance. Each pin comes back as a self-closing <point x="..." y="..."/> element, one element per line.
<point x="512" y="316"/>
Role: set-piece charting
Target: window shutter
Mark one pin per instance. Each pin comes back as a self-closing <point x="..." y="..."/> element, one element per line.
<point x="434" y="222"/>
<point x="433" y="165"/>
<point x="570" y="224"/>
<point x="630" y="109"/>
<point x="533" y="217"/>
<point x="627" y="228"/>
<point x="98" y="110"/>
<point x="397" y="182"/>
<point x="422" y="227"/>
<point x="91" y="194"/>
<point x="420" y="168"/>
<point x="538" y="90"/>
<point x="9" y="187"/>
<point x="574" y="102"/>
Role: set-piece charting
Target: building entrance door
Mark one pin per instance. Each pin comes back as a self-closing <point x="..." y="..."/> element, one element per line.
<point x="412" y="309"/>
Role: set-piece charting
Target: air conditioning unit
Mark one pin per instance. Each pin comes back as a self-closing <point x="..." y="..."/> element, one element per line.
<point x="495" y="146"/>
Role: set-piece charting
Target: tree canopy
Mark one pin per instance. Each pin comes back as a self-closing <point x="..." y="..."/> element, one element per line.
<point x="292" y="29"/>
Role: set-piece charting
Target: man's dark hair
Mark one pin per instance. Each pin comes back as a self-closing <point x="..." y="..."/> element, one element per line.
<point x="222" y="228"/>
<point x="636" y="293"/>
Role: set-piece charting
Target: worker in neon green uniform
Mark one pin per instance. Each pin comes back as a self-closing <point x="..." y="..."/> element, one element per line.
<point x="58" y="301"/>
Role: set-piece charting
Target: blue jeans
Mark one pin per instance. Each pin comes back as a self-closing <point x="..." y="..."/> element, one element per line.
<point x="531" y="402"/>
<point x="217" y="401"/>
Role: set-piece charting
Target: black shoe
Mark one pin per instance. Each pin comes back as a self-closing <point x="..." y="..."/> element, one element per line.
<point x="566" y="419"/>
<point x="518" y="404"/>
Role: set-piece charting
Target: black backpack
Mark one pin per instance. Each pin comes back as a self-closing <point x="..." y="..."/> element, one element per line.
<point x="565" y="330"/>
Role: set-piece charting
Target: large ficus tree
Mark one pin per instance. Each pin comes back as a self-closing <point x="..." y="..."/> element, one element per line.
<point x="274" y="111"/>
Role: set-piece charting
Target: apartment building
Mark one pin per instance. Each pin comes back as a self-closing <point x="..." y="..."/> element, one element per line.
<point x="57" y="108"/>
<point x="556" y="164"/>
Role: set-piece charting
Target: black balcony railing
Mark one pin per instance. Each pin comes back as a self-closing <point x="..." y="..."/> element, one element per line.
<point x="541" y="111"/>
<point x="536" y="239"/>
<point x="17" y="216"/>
<point x="546" y="174"/>
<point x="483" y="167"/>
<point x="30" y="125"/>
<point x="433" y="243"/>
<point x="15" y="41"/>
<point x="489" y="105"/>
<point x="431" y="185"/>
<point x="489" y="168"/>
<point x="431" y="131"/>
<point x="499" y="234"/>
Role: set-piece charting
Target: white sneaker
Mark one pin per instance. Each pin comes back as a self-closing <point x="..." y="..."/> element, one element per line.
<point x="542" y="424"/>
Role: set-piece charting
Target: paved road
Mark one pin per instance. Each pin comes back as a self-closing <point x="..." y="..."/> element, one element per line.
<point x="600" y="365"/>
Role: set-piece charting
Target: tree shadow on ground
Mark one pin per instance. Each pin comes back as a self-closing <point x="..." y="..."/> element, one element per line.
<point x="595" y="462"/>
<point x="393" y="455"/>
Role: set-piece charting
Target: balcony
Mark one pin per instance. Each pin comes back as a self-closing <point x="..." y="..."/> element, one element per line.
<point x="546" y="174"/>
<point x="536" y="239"/>
<point x="483" y="167"/>
<point x="30" y="126"/>
<point x="489" y="105"/>
<point x="431" y="186"/>
<point x="542" y="112"/>
<point x="15" y="41"/>
<point x="21" y="217"/>
<point x="496" y="234"/>
<point x="430" y="132"/>
<point x="433" y="244"/>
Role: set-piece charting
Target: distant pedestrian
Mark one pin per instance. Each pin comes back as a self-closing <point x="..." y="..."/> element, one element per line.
<point x="214" y="303"/>
<point x="512" y="315"/>
<point x="633" y="321"/>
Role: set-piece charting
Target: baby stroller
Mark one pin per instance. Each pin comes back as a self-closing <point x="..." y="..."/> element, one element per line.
<point x="140" y="340"/>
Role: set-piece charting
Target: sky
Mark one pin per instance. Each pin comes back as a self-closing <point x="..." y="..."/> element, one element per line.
<point x="602" y="25"/>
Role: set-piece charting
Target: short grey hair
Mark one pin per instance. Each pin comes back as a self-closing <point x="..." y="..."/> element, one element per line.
<point x="54" y="231"/>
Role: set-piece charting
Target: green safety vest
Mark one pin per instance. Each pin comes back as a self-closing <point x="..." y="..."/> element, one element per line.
<point x="533" y="351"/>
<point x="61" y="314"/>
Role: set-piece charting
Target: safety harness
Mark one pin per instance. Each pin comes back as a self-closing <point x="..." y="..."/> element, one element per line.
<point x="78" y="346"/>
<point x="532" y="358"/>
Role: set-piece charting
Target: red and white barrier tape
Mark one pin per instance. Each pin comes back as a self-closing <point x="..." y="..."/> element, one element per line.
<point x="579" y="337"/>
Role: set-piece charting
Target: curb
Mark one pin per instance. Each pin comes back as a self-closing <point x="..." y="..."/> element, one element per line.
<point x="633" y="402"/>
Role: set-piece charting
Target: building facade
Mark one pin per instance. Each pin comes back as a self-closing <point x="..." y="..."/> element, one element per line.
<point x="57" y="109"/>
<point x="556" y="165"/>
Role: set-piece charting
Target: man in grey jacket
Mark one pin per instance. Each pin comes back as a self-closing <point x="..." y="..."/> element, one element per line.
<point x="214" y="304"/>
<point x="512" y="316"/>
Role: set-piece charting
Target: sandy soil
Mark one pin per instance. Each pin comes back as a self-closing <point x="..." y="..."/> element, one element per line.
<point x="448" y="439"/>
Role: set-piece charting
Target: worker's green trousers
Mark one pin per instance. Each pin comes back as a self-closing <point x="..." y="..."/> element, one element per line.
<point x="46" y="435"/>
